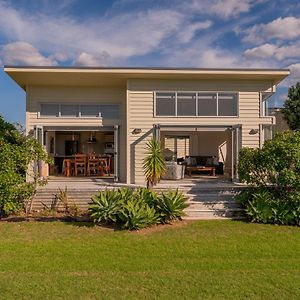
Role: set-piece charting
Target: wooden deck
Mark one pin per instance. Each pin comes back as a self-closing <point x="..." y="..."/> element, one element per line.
<point x="195" y="181"/>
<point x="209" y="197"/>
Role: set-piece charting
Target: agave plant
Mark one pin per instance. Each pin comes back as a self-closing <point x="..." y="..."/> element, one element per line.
<point x="136" y="214"/>
<point x="148" y="196"/>
<point x="171" y="205"/>
<point x="153" y="164"/>
<point x="125" y="193"/>
<point x="105" y="206"/>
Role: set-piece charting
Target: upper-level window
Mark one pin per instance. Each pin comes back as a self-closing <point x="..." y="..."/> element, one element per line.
<point x="165" y="104"/>
<point x="201" y="104"/>
<point x="107" y="111"/>
<point x="89" y="110"/>
<point x="51" y="110"/>
<point x="67" y="110"/>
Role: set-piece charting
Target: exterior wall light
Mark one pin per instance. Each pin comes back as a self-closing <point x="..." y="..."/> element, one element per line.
<point x="136" y="130"/>
<point x="254" y="131"/>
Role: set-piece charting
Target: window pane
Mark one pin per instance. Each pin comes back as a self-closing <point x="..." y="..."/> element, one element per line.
<point x="50" y="110"/>
<point x="227" y="104"/>
<point x="186" y="104"/>
<point x="69" y="110"/>
<point x="165" y="104"/>
<point x="89" y="110"/>
<point x="207" y="104"/>
<point x="183" y="145"/>
<point x="110" y="111"/>
<point x="267" y="132"/>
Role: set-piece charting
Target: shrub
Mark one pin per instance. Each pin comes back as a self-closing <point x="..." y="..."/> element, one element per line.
<point x="170" y="206"/>
<point x="277" y="164"/>
<point x="17" y="152"/>
<point x="273" y="176"/>
<point x="137" y="214"/>
<point x="263" y="207"/>
<point x="70" y="206"/>
<point x="136" y="209"/>
<point x="147" y="196"/>
<point x="105" y="206"/>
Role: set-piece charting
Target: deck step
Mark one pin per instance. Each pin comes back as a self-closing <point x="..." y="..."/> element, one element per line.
<point x="213" y="202"/>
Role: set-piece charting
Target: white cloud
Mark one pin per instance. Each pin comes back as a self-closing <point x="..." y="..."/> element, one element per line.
<point x="60" y="56"/>
<point x="230" y="8"/>
<point x="189" y="31"/>
<point x="295" y="75"/>
<point x="204" y="55"/>
<point x="21" y="53"/>
<point x="213" y="58"/>
<point x="271" y="50"/>
<point x="121" y="36"/>
<point x="222" y="8"/>
<point x="266" y="50"/>
<point x="89" y="60"/>
<point x="282" y="28"/>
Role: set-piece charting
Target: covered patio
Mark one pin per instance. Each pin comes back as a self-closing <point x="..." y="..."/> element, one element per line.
<point x="80" y="151"/>
<point x="200" y="152"/>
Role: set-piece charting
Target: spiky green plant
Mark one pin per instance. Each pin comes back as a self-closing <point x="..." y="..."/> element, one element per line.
<point x="105" y="206"/>
<point x="148" y="196"/>
<point x="136" y="214"/>
<point x="153" y="164"/>
<point x="171" y="205"/>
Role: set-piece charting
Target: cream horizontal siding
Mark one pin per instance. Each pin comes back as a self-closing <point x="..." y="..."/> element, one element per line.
<point x="76" y="94"/>
<point x="140" y="94"/>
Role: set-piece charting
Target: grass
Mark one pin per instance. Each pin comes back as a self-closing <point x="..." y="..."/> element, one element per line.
<point x="201" y="260"/>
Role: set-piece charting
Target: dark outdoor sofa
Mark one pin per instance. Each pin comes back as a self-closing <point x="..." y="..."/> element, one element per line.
<point x="205" y="161"/>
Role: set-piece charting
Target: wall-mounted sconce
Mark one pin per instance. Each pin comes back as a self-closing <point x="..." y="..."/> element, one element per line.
<point x="136" y="130"/>
<point x="253" y="131"/>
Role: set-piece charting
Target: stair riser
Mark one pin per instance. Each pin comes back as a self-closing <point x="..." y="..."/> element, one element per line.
<point x="214" y="206"/>
<point x="205" y="203"/>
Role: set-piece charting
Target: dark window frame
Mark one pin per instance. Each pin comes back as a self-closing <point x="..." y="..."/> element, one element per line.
<point x="217" y="115"/>
<point x="117" y="105"/>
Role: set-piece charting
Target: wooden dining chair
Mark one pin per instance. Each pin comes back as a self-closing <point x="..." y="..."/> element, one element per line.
<point x="68" y="168"/>
<point x="93" y="164"/>
<point x="108" y="163"/>
<point x="80" y="164"/>
<point x="105" y="165"/>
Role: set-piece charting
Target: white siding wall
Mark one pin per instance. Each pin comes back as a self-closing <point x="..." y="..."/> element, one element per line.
<point x="140" y="101"/>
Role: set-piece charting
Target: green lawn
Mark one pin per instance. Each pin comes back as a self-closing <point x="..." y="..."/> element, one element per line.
<point x="201" y="260"/>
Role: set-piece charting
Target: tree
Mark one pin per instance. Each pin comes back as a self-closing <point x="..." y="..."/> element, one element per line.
<point x="154" y="164"/>
<point x="291" y="107"/>
<point x="17" y="152"/>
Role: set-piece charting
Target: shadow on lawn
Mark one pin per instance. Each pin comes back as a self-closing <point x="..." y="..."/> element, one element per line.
<point x="80" y="221"/>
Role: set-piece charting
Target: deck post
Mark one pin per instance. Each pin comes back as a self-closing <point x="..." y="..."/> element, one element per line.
<point x="116" y="153"/>
<point x="232" y="154"/>
<point x="156" y="128"/>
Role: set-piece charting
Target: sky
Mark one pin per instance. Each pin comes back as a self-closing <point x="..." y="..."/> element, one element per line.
<point x="147" y="33"/>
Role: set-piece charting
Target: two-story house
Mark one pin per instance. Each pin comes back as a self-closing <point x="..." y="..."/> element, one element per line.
<point x="194" y="112"/>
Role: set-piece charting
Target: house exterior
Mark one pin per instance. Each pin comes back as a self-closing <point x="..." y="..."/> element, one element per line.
<point x="209" y="112"/>
<point x="281" y="124"/>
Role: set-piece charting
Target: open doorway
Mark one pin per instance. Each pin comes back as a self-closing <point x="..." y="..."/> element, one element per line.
<point x="194" y="152"/>
<point x="96" y="148"/>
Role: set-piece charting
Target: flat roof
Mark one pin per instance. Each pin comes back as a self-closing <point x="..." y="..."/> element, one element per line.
<point x="36" y="75"/>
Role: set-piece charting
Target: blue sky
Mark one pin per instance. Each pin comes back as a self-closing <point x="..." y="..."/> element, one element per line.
<point x="170" y="33"/>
